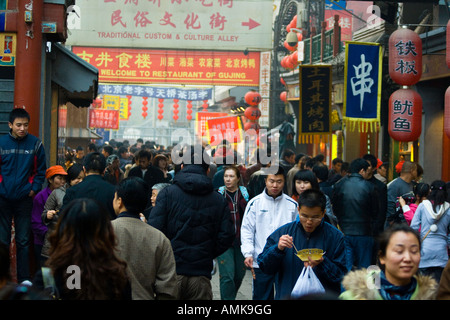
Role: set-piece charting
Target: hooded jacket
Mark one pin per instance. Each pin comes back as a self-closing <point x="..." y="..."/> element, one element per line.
<point x="356" y="286"/>
<point x="22" y="166"/>
<point x="434" y="247"/>
<point x="196" y="220"/>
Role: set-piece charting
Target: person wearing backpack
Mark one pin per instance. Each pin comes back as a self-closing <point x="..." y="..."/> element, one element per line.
<point x="231" y="263"/>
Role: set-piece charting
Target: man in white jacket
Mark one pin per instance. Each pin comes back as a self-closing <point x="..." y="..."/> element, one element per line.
<point x="264" y="214"/>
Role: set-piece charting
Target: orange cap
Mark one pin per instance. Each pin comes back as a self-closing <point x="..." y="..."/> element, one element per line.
<point x="54" y="170"/>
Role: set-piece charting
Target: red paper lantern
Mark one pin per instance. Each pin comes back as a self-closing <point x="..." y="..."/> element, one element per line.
<point x="205" y="105"/>
<point x="282" y="81"/>
<point x="175" y="109"/>
<point x="97" y="103"/>
<point x="405" y="115"/>
<point x="447" y="113"/>
<point x="290" y="64"/>
<point x="189" y="110"/>
<point x="252" y="113"/>
<point x="160" y="110"/>
<point x="405" y="57"/>
<point x="283" y="62"/>
<point x="294" y="57"/>
<point x="447" y="56"/>
<point x="252" y="98"/>
<point x="283" y="96"/>
<point x="144" y="108"/>
<point x="251" y="125"/>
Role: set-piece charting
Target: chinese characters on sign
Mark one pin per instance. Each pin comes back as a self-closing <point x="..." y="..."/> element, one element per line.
<point x="405" y="65"/>
<point x="402" y="108"/>
<point x="264" y="88"/>
<point x="228" y="128"/>
<point x="362" y="86"/>
<point x="362" y="83"/>
<point x="121" y="65"/>
<point x="315" y="100"/>
<point x="189" y="24"/>
<point x="102" y="118"/>
<point x="202" y="117"/>
<point x="405" y="115"/>
<point x="156" y="92"/>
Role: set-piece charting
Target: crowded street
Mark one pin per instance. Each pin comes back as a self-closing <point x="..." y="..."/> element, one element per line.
<point x="242" y="154"/>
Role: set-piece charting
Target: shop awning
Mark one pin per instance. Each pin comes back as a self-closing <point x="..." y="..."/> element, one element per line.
<point x="78" y="78"/>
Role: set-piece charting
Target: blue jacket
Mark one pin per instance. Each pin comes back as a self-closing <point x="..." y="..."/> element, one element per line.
<point x="288" y="266"/>
<point x="22" y="166"/>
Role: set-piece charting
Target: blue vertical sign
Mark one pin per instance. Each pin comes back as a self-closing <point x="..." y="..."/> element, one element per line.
<point x="3" y="5"/>
<point x="362" y="85"/>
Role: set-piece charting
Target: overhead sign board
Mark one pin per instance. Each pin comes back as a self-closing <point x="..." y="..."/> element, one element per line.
<point x="123" y="65"/>
<point x="187" y="24"/>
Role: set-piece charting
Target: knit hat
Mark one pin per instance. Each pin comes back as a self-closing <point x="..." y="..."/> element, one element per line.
<point x="54" y="170"/>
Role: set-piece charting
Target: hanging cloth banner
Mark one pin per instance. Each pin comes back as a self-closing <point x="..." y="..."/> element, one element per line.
<point x="362" y="86"/>
<point x="156" y="92"/>
<point x="315" y="103"/>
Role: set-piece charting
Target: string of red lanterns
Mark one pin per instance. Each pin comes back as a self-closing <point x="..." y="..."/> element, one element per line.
<point x="205" y="105"/>
<point x="189" y="110"/>
<point x="160" y="108"/>
<point x="175" y="109"/>
<point x="405" y="68"/>
<point x="252" y="113"/>
<point x="144" y="107"/>
<point x="129" y="105"/>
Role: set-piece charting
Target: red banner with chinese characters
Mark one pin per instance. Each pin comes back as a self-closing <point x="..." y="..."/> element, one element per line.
<point x="225" y="128"/>
<point x="101" y="118"/>
<point x="124" y="65"/>
<point x="202" y="117"/>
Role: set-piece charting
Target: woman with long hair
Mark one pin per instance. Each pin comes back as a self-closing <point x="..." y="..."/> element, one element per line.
<point x="306" y="179"/>
<point x="84" y="238"/>
<point x="433" y="218"/>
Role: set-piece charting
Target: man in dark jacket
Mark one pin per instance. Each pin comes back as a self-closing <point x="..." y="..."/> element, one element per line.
<point x="355" y="204"/>
<point x="93" y="186"/>
<point x="198" y="223"/>
<point x="22" y="173"/>
<point x="381" y="190"/>
<point x="145" y="170"/>
<point x="310" y="231"/>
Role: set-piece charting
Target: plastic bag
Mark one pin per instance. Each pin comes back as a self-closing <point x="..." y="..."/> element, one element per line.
<point x="307" y="283"/>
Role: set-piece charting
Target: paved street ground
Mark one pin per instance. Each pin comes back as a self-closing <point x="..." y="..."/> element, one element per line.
<point x="244" y="293"/>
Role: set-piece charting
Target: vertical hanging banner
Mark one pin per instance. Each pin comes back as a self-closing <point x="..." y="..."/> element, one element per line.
<point x="123" y="111"/>
<point x="264" y="88"/>
<point x="315" y="102"/>
<point x="362" y="85"/>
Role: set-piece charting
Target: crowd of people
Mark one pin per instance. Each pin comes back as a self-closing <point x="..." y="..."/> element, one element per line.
<point x="139" y="226"/>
